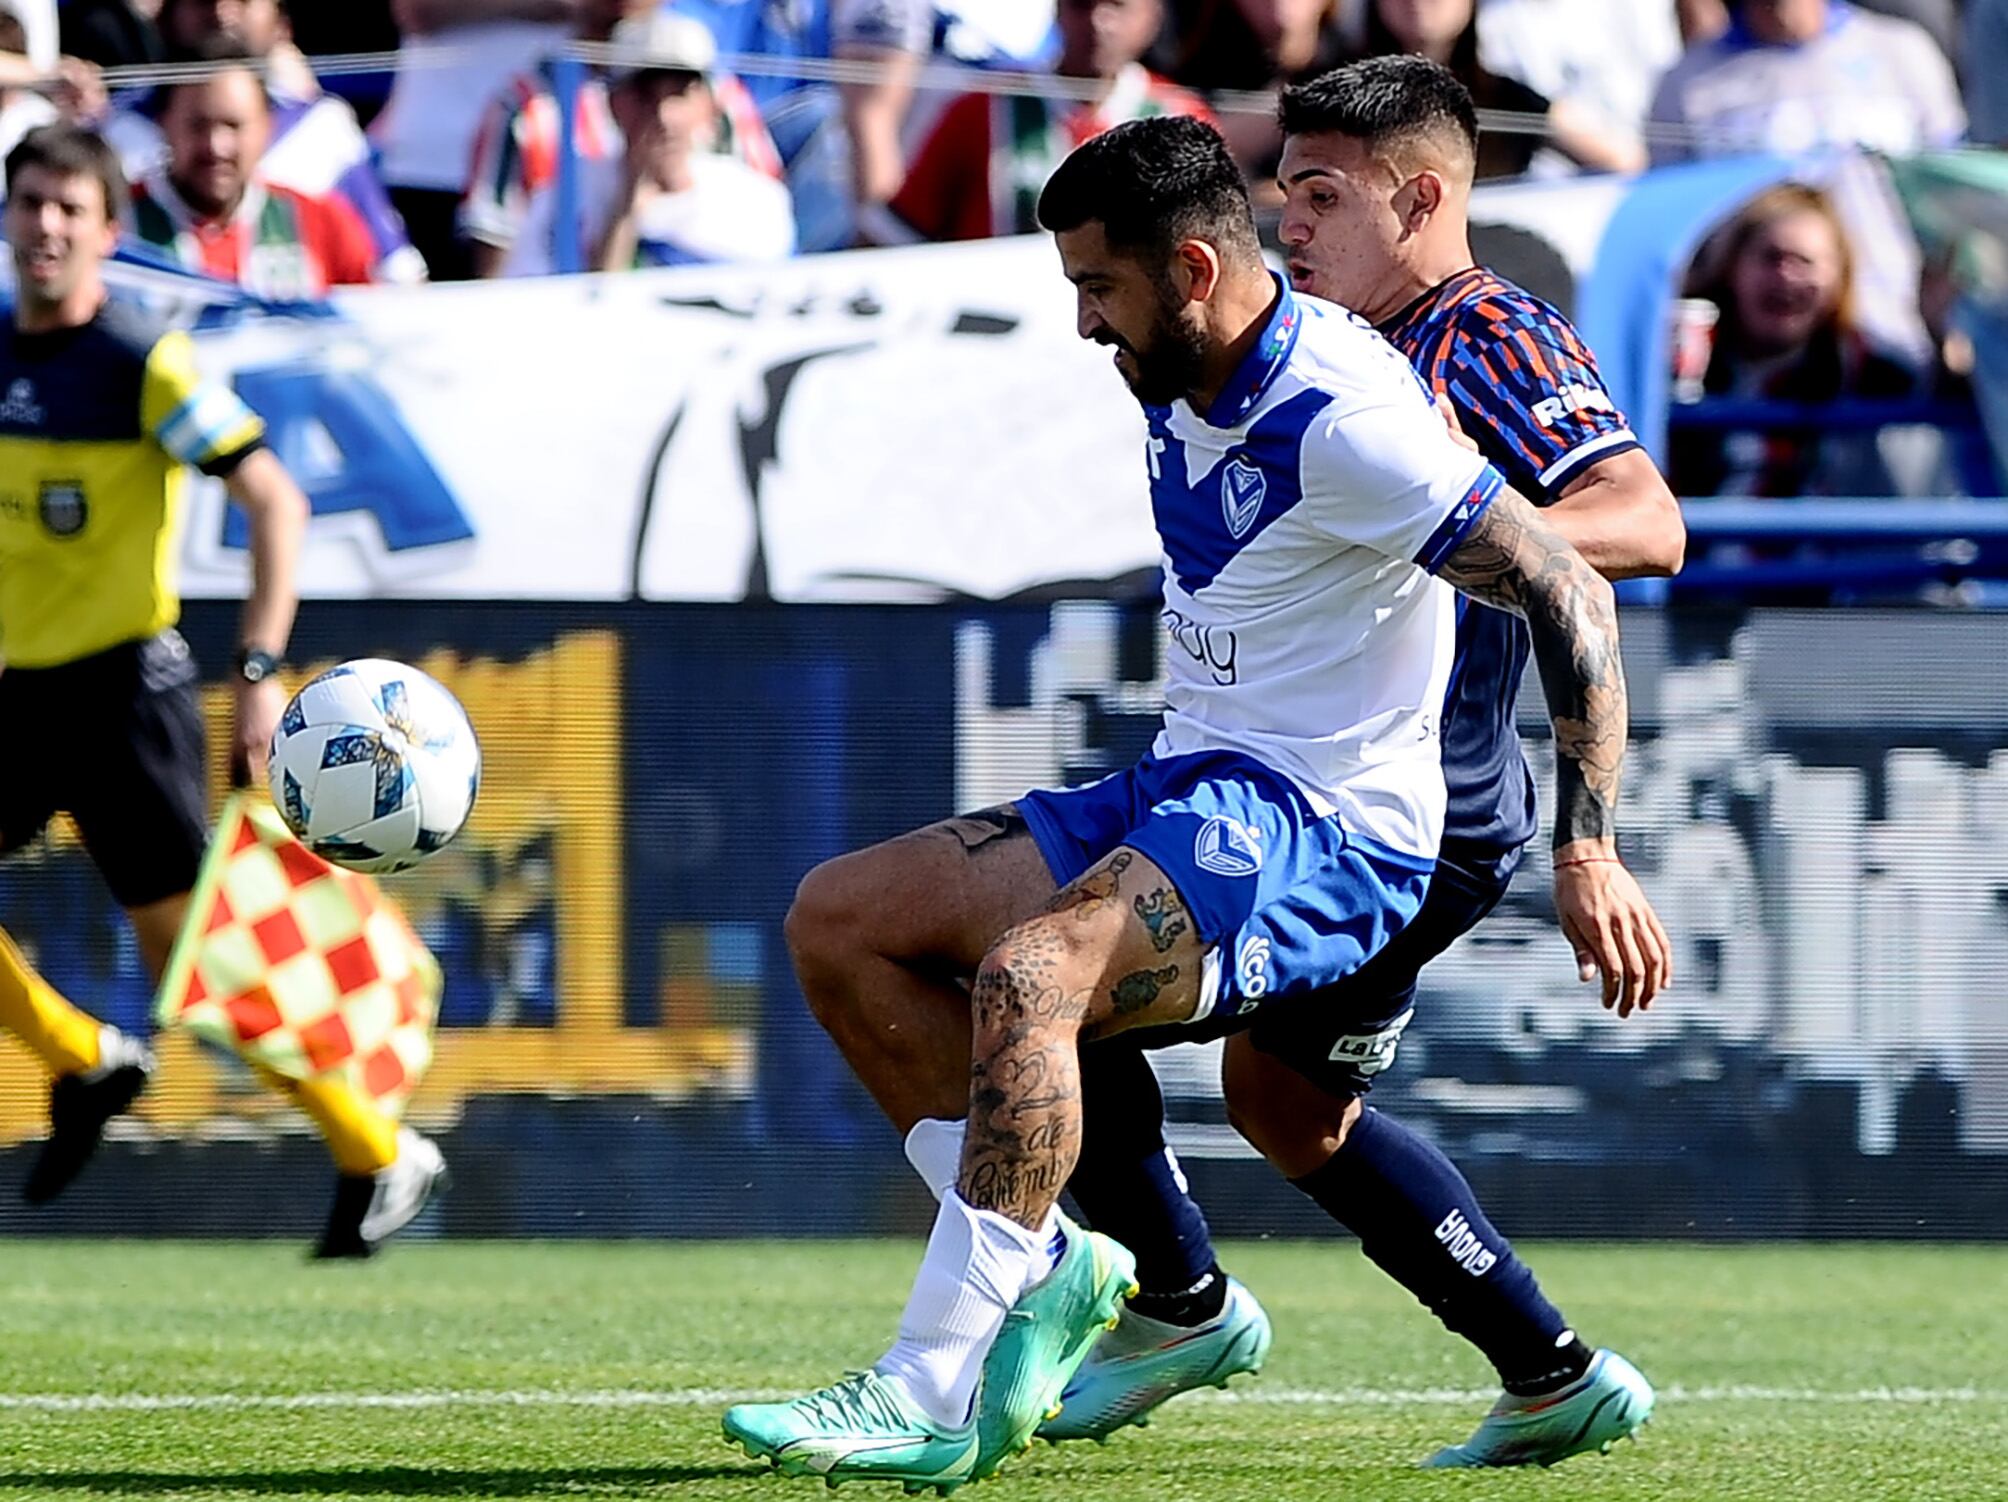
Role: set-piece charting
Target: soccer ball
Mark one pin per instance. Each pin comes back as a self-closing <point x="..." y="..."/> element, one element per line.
<point x="374" y="766"/>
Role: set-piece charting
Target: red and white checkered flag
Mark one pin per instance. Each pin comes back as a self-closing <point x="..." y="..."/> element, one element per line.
<point x="300" y="966"/>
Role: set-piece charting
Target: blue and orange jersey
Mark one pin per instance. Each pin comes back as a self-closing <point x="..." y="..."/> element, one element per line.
<point x="1528" y="392"/>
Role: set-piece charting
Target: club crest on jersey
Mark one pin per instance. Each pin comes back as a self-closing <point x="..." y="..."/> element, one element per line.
<point x="1242" y="487"/>
<point x="1227" y="847"/>
<point x="62" y="507"/>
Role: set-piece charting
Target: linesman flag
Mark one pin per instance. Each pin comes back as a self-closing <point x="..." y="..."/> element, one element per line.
<point x="300" y="966"/>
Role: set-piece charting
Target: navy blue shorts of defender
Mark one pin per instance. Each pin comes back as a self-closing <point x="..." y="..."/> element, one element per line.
<point x="1284" y="901"/>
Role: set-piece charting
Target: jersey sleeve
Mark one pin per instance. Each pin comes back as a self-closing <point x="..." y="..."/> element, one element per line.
<point x="1534" y="385"/>
<point x="198" y="422"/>
<point x="1382" y="471"/>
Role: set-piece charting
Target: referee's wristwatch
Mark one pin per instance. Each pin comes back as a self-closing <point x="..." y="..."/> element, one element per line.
<point x="255" y="665"/>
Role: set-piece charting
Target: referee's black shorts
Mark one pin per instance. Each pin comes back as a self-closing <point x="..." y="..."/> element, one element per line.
<point x="115" y="741"/>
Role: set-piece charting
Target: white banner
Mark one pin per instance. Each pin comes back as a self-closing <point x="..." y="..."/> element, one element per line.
<point x="893" y="424"/>
<point x="884" y="424"/>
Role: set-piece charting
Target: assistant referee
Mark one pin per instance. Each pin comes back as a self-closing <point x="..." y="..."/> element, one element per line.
<point x="101" y="415"/>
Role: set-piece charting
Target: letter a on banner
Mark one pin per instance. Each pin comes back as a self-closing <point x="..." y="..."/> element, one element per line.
<point x="300" y="966"/>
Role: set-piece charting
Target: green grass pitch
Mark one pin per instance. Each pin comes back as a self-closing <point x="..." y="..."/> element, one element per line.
<point x="209" y="1371"/>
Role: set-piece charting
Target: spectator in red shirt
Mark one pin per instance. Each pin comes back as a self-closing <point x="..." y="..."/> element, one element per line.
<point x="980" y="171"/>
<point x="207" y="208"/>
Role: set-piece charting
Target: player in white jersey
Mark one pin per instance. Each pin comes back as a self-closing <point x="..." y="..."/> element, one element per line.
<point x="1281" y="831"/>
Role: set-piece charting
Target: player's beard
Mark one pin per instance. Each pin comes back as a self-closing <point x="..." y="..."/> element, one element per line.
<point x="1172" y="362"/>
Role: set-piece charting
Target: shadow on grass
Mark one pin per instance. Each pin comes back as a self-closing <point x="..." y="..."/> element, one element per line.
<point x="400" y="1481"/>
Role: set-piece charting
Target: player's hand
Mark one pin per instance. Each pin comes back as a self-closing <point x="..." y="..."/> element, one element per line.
<point x="259" y="706"/>
<point x="1611" y="926"/>
<point x="1449" y="415"/>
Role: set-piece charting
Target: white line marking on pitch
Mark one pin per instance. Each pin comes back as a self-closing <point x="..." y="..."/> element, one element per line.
<point x="709" y="1397"/>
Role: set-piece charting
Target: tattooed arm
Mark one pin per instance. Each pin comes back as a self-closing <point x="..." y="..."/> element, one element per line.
<point x="1513" y="559"/>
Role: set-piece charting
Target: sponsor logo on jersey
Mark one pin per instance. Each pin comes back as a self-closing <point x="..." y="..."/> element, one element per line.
<point x="1574" y="397"/>
<point x="19" y="406"/>
<point x="1251" y="970"/>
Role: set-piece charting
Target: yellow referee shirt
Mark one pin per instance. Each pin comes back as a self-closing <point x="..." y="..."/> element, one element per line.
<point x="97" y="425"/>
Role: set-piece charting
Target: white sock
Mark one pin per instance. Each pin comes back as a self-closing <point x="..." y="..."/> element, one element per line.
<point x="934" y="1148"/>
<point x="978" y="1264"/>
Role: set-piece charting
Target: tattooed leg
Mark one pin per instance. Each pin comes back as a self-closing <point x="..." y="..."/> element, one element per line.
<point x="1114" y="949"/>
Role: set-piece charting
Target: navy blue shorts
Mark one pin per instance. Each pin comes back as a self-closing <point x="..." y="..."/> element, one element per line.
<point x="1341" y="1036"/>
<point x="1285" y="901"/>
<point x="122" y="756"/>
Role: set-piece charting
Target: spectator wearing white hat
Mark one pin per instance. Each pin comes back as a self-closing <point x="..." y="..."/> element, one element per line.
<point x="670" y="200"/>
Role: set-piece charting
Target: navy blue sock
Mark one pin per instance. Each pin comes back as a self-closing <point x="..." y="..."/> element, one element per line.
<point x="1419" y="1222"/>
<point x="1125" y="1184"/>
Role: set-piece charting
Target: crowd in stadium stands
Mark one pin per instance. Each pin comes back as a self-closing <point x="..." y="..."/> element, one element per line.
<point x="680" y="160"/>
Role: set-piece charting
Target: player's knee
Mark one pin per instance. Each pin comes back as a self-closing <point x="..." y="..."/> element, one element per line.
<point x="824" y="926"/>
<point x="835" y="928"/>
<point x="1030" y="979"/>
<point x="1283" y="1116"/>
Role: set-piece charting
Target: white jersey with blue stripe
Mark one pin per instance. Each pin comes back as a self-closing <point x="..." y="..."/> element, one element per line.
<point x="1300" y="517"/>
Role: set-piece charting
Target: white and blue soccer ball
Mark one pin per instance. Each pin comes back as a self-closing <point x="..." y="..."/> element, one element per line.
<point x="374" y="766"/>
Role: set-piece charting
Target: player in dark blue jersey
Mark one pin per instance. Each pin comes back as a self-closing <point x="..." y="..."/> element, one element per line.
<point x="1377" y="171"/>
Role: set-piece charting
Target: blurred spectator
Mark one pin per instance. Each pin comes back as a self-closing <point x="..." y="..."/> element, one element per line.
<point x="670" y="199"/>
<point x="209" y="210"/>
<point x="1793" y="75"/>
<point x="39" y="82"/>
<point x="882" y="117"/>
<point x="516" y="152"/>
<point x="1701" y="20"/>
<point x="1984" y="59"/>
<point x="1446" y="32"/>
<point x="21" y="107"/>
<point x="774" y="30"/>
<point x="804" y="117"/>
<point x="1782" y="274"/>
<point x="316" y="146"/>
<point x="981" y="168"/>
<point x="456" y="56"/>
<point x="1939" y="18"/>
<point x="112" y="33"/>
<point x="1214" y="45"/>
<point x="1598" y="61"/>
<point x="260" y="27"/>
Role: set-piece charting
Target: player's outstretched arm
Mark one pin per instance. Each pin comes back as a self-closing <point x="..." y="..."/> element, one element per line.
<point x="1511" y="558"/>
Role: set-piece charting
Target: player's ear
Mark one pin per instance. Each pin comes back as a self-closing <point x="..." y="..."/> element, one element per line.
<point x="1198" y="267"/>
<point x="1419" y="198"/>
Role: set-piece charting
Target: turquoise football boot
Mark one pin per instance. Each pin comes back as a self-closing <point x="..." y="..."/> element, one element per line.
<point x="1046" y="1336"/>
<point x="1143" y="1363"/>
<point x="862" y="1428"/>
<point x="1607" y="1403"/>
